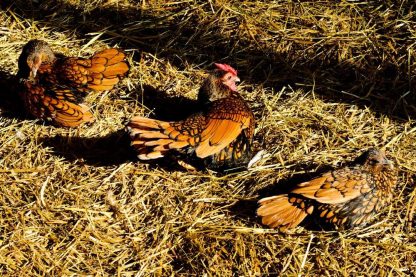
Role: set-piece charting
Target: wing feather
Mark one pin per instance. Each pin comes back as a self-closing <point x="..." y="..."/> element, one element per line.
<point x="207" y="133"/>
<point x="333" y="188"/>
<point x="54" y="105"/>
<point x="217" y="135"/>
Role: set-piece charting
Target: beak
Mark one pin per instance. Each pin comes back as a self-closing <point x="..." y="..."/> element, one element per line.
<point x="237" y="80"/>
<point x="387" y="162"/>
<point x="33" y="73"/>
<point x="34" y="66"/>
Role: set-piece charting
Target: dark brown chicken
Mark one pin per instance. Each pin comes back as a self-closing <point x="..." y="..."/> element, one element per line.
<point x="221" y="133"/>
<point x="346" y="197"/>
<point x="53" y="86"/>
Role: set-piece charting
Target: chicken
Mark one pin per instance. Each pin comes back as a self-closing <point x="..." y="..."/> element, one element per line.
<point x="347" y="197"/>
<point x="53" y="86"/>
<point x="220" y="134"/>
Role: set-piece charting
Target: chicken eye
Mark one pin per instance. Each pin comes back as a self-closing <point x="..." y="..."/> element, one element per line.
<point x="373" y="162"/>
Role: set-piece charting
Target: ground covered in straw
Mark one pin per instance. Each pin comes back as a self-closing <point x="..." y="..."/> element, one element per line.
<point x="326" y="81"/>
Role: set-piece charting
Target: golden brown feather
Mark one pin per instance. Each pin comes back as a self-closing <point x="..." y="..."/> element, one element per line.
<point x="59" y="109"/>
<point x="346" y="197"/>
<point x="53" y="86"/>
<point x="221" y="133"/>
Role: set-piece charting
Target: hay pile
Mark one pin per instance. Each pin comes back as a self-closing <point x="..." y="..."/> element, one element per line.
<point x="326" y="80"/>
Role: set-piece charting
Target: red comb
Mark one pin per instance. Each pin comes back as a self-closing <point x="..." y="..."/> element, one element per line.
<point x="226" y="67"/>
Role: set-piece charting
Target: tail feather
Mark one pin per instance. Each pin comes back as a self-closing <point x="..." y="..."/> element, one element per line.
<point x="277" y="211"/>
<point x="100" y="80"/>
<point x="153" y="135"/>
<point x="178" y="144"/>
<point x="151" y="156"/>
<point x="115" y="70"/>
<point x="105" y="84"/>
<point x="113" y="55"/>
<point x="106" y="69"/>
<point x="110" y="62"/>
<point x="98" y="65"/>
<point x="159" y="143"/>
<point x="152" y="138"/>
<point x="141" y="123"/>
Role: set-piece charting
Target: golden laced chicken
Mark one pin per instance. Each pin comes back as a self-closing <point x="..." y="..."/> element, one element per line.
<point x="53" y="86"/>
<point x="347" y="197"/>
<point x="221" y="133"/>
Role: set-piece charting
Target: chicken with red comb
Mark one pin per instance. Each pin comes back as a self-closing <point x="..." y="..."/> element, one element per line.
<point x="226" y="67"/>
<point x="220" y="134"/>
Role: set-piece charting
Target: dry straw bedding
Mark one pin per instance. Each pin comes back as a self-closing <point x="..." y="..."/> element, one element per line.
<point x="326" y="80"/>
